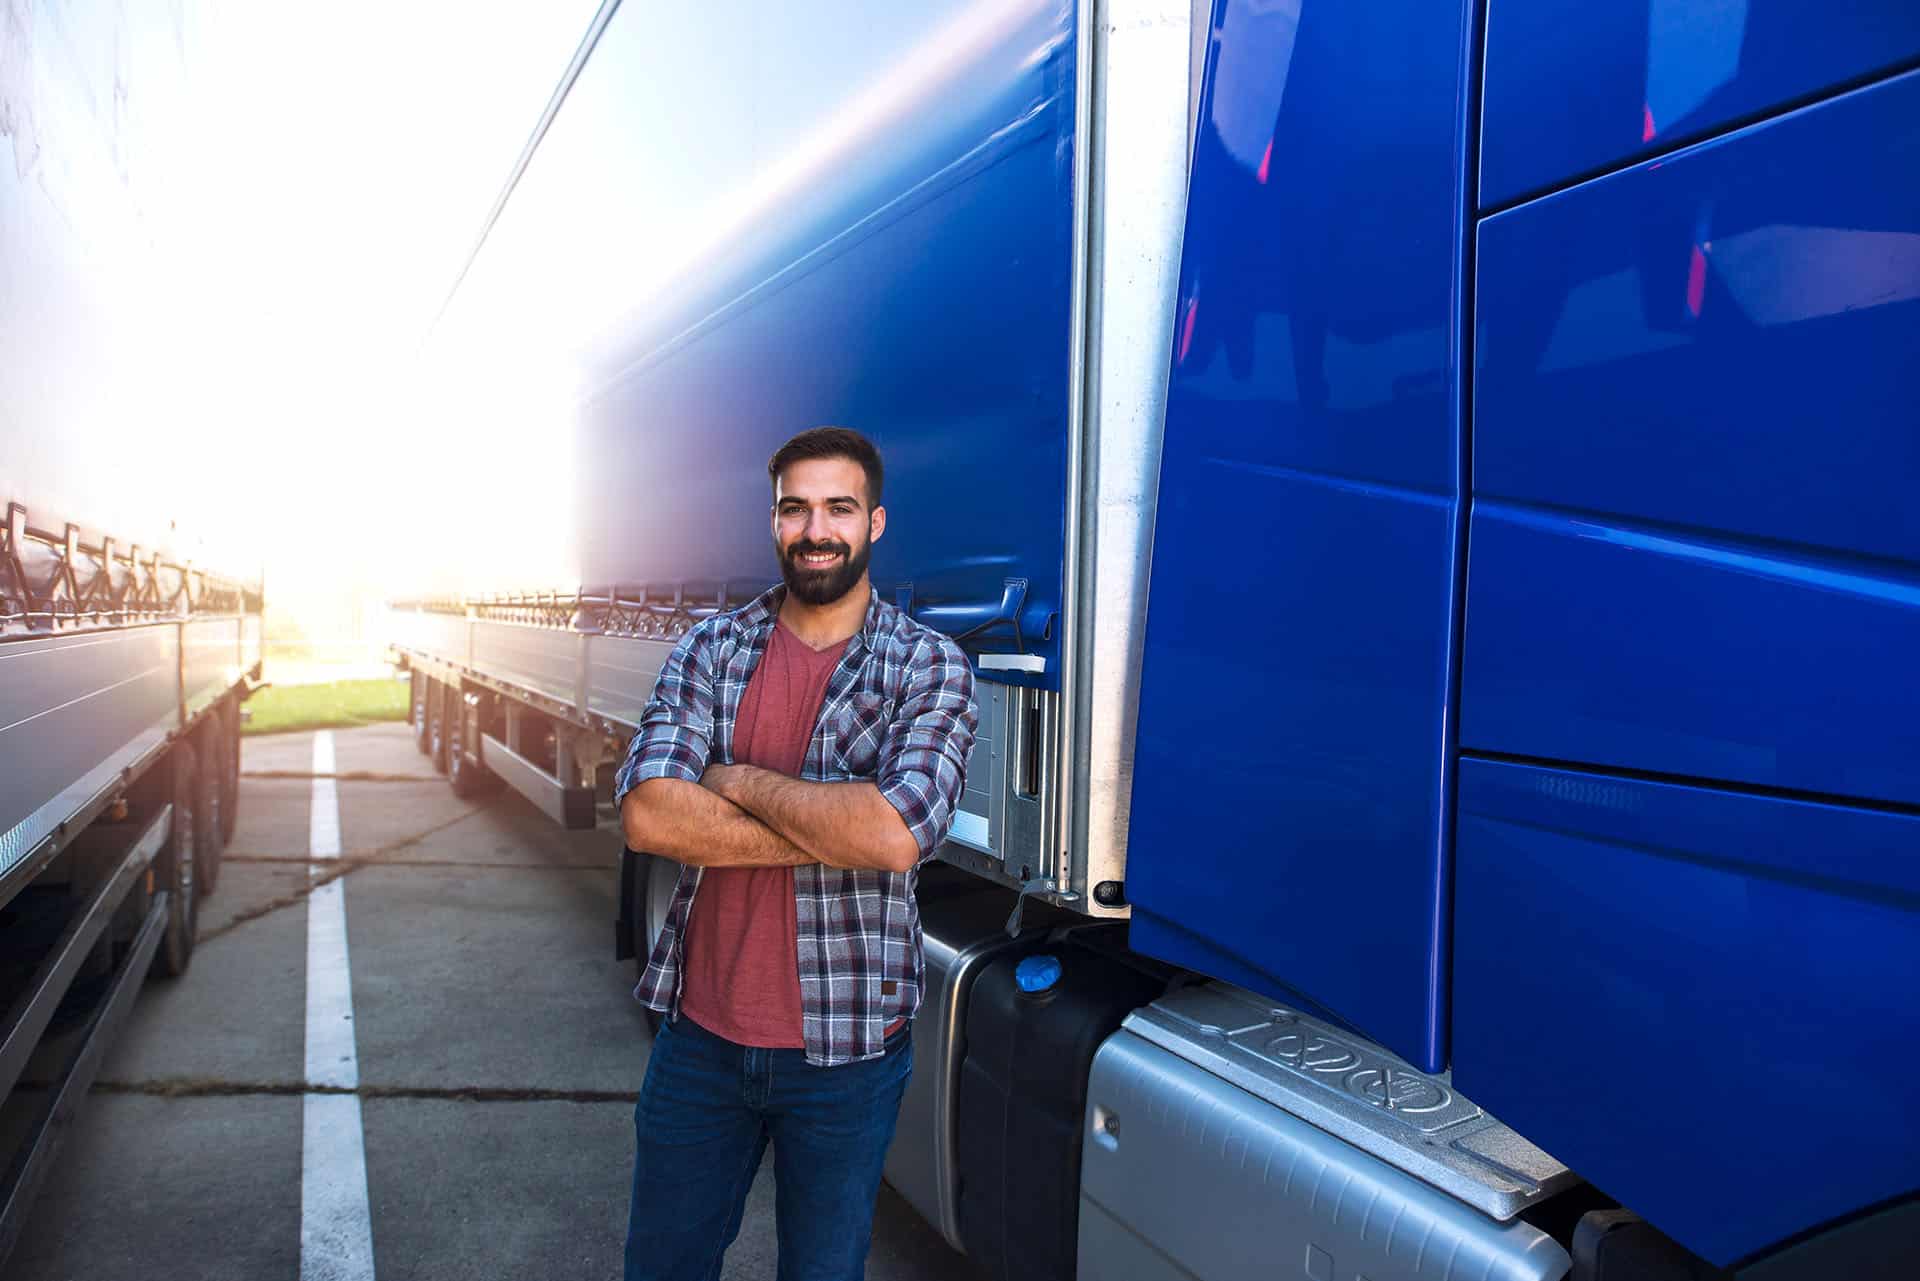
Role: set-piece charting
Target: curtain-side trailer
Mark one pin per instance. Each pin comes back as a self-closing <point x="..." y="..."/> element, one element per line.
<point x="1426" y="491"/>
<point x="123" y="662"/>
<point x="122" y="673"/>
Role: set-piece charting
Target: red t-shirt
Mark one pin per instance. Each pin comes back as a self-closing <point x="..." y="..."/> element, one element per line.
<point x="742" y="971"/>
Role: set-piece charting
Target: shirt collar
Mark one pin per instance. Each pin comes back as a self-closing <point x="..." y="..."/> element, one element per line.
<point x="759" y="614"/>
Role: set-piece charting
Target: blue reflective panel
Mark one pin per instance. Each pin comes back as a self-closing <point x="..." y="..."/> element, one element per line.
<point x="1574" y="86"/>
<point x="1701" y="1000"/>
<point x="1287" y="806"/>
<point x="1695" y="548"/>
<point x="913" y="283"/>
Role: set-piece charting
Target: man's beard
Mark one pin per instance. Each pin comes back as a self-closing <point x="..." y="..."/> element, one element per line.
<point x="823" y="586"/>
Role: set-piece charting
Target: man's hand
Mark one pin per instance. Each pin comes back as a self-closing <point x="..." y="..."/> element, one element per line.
<point x="715" y="779"/>
<point x="690" y="824"/>
<point x="848" y="825"/>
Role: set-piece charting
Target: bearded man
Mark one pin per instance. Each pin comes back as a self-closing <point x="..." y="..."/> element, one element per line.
<point x="800" y="758"/>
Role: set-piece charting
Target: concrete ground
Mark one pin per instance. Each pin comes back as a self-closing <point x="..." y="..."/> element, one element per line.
<point x="499" y="1054"/>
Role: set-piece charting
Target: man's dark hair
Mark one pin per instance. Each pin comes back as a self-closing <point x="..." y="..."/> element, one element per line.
<point x="830" y="442"/>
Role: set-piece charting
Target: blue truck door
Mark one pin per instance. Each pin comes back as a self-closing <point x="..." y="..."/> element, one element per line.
<point x="1290" y="802"/>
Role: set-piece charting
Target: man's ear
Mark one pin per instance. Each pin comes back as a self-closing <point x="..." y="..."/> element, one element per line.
<point x="876" y="524"/>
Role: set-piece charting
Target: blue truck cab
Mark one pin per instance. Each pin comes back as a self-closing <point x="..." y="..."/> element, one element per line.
<point x="1534" y="586"/>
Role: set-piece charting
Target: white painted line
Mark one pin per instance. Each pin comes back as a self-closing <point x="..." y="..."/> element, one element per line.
<point x="336" y="1231"/>
<point x="324" y="827"/>
<point x="336" y="1226"/>
<point x="331" y="1060"/>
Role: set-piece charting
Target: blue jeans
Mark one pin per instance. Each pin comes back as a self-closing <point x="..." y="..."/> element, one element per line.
<point x="706" y="1113"/>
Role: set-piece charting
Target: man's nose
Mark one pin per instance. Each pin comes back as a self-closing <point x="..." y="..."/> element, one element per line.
<point x="818" y="527"/>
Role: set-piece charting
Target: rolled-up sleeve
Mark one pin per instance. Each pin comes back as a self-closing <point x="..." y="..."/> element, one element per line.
<point x="675" y="739"/>
<point x="923" y="761"/>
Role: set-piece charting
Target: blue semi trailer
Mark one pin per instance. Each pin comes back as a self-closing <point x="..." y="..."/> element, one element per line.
<point x="1429" y="490"/>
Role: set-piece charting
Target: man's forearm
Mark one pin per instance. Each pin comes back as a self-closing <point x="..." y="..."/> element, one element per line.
<point x="691" y="824"/>
<point x="840" y="824"/>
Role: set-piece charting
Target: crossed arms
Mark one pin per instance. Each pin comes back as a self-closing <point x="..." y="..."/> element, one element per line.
<point x="743" y="816"/>
<point x="675" y="802"/>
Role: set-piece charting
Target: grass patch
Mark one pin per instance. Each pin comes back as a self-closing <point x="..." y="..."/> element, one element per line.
<point x="335" y="705"/>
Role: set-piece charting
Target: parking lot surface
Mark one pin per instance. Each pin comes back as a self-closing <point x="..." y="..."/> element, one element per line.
<point x="471" y="1012"/>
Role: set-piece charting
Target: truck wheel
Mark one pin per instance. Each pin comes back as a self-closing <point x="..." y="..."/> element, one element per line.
<point x="210" y="804"/>
<point x="421" y="685"/>
<point x="173" y="869"/>
<point x="467" y="778"/>
<point x="229" y="731"/>
<point x="437" y="700"/>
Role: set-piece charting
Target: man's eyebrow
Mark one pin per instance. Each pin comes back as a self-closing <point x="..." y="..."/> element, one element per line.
<point x="837" y="498"/>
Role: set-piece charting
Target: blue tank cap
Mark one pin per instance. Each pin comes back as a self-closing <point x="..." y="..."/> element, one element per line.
<point x="1037" y="973"/>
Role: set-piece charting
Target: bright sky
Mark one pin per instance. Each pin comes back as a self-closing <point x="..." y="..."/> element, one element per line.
<point x="357" y="148"/>
<point x="230" y="225"/>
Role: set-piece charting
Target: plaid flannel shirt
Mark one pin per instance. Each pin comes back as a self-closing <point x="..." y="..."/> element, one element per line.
<point x="898" y="711"/>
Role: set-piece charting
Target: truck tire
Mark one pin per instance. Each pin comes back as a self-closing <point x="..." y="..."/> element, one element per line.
<point x="468" y="778"/>
<point x="173" y="870"/>
<point x="421" y="686"/>
<point x="437" y="701"/>
<point x="229" y="730"/>
<point x="210" y="803"/>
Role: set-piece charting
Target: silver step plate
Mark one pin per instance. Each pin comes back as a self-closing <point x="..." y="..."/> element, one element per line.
<point x="1355" y="1090"/>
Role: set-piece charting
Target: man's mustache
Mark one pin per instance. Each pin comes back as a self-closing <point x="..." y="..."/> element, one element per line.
<point x="806" y="548"/>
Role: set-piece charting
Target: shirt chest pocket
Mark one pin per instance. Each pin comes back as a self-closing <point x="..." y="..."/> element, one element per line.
<point x="858" y="728"/>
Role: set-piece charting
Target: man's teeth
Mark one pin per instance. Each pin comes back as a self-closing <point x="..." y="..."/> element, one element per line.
<point x="819" y="558"/>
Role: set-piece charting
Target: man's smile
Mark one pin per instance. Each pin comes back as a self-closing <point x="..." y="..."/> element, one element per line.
<point x="808" y="555"/>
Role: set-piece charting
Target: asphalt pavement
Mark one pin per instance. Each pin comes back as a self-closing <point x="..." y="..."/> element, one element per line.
<point x="498" y="1056"/>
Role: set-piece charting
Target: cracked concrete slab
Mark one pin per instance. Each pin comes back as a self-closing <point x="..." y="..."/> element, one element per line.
<point x="214" y="1088"/>
<point x="206" y="1188"/>
<point x="240" y="1010"/>
<point x="517" y="1190"/>
<point x="275" y="817"/>
<point x="491" y="980"/>
<point x="511" y="831"/>
<point x="292" y="751"/>
<point x="372" y="813"/>
<point x="244" y="887"/>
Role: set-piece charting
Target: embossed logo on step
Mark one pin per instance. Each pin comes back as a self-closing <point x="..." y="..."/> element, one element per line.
<point x="1398" y="1091"/>
<point x="1426" y="1103"/>
<point x="1303" y="1048"/>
